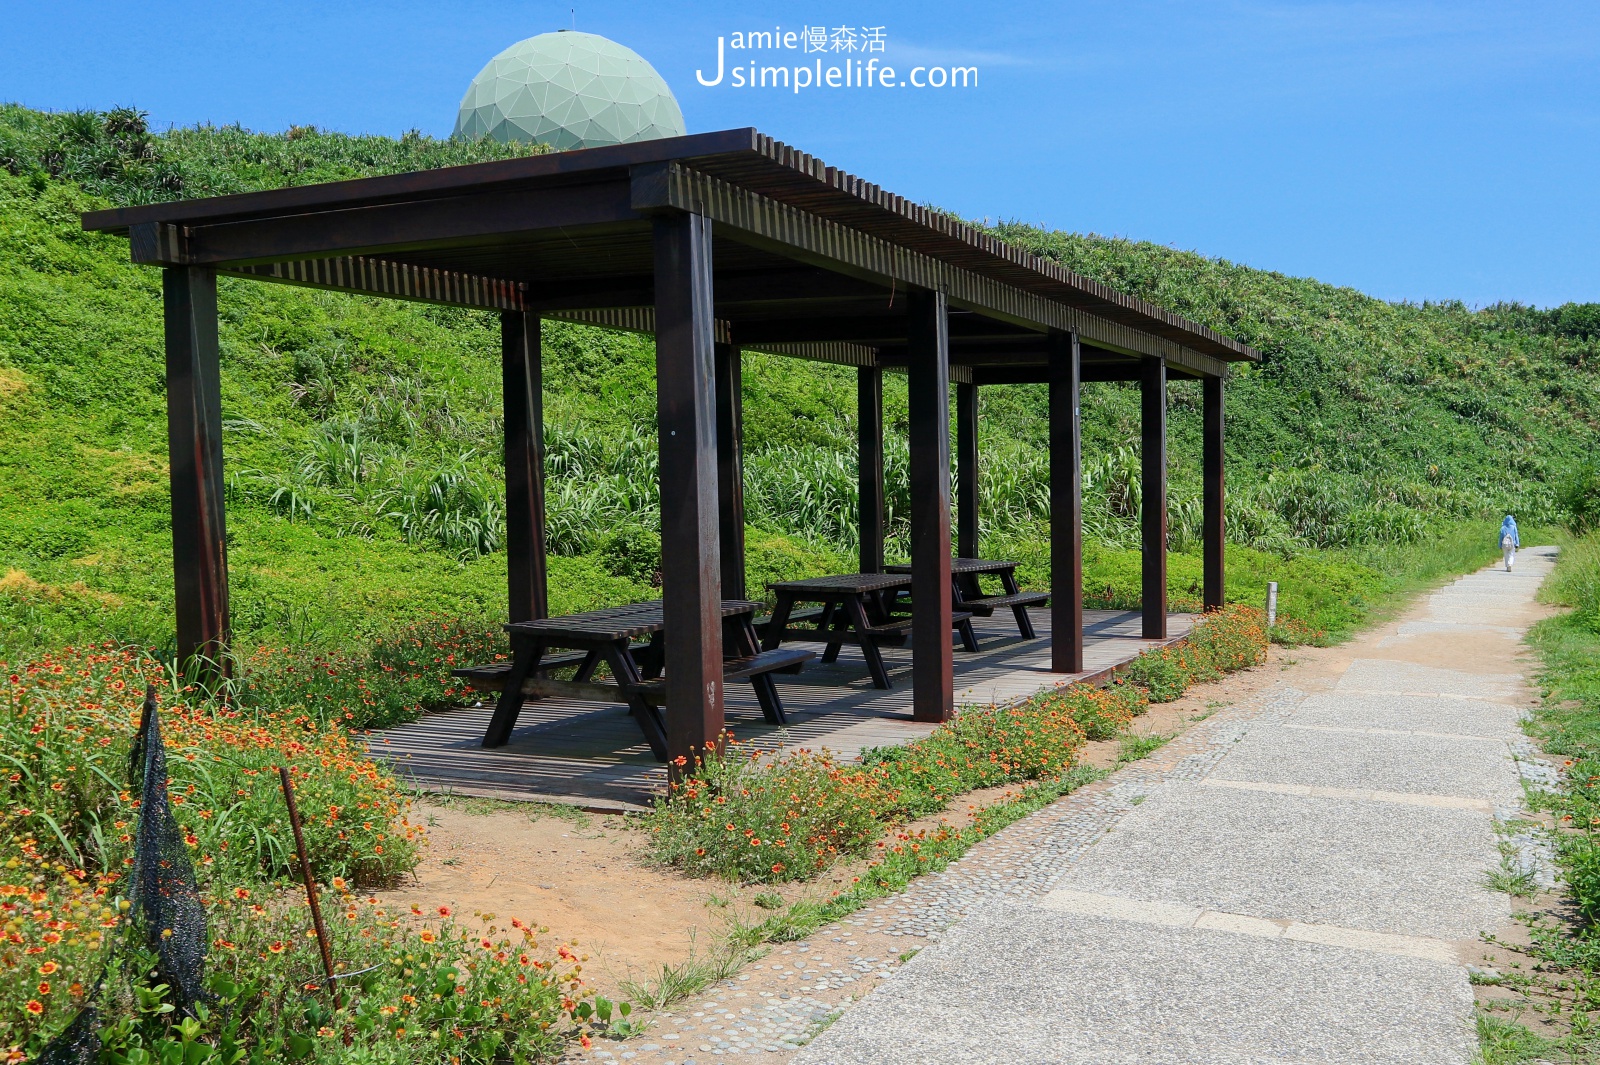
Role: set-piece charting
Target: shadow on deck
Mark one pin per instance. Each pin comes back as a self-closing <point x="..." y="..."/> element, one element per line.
<point x="592" y="754"/>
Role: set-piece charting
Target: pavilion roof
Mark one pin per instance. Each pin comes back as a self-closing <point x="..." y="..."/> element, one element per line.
<point x="808" y="258"/>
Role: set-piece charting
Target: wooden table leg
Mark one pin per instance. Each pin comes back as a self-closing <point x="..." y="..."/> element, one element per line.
<point x="654" y="658"/>
<point x="739" y="635"/>
<point x="743" y="631"/>
<point x="525" y="655"/>
<point x="869" y="649"/>
<point x="830" y="620"/>
<point x="620" y="657"/>
<point x="767" y="696"/>
<point x="969" y="638"/>
<point x="778" y="624"/>
<point x="1008" y="581"/>
<point x="963" y="586"/>
<point x="586" y="668"/>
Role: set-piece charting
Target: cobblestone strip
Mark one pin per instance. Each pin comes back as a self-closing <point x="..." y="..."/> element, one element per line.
<point x="1532" y="846"/>
<point x="779" y="1003"/>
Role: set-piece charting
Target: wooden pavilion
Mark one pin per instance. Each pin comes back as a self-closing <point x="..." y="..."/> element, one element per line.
<point x="713" y="242"/>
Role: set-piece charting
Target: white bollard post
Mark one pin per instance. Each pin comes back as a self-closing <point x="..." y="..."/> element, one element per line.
<point x="1272" y="603"/>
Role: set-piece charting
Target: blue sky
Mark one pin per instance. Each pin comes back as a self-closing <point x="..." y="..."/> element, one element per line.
<point x="1414" y="151"/>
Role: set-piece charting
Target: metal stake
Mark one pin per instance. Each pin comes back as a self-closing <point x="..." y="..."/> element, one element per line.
<point x="1272" y="603"/>
<point x="311" y="882"/>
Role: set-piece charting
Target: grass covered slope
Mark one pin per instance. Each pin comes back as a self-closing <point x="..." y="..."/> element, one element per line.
<point x="1431" y="407"/>
<point x="362" y="436"/>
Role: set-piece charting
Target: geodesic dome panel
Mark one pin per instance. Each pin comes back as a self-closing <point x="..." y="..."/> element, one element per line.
<point x="569" y="90"/>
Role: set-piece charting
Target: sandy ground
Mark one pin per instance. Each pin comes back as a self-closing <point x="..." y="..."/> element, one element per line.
<point x="580" y="875"/>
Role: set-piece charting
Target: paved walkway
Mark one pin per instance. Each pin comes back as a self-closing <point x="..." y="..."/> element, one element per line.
<point x="1304" y="885"/>
<point x="1299" y="878"/>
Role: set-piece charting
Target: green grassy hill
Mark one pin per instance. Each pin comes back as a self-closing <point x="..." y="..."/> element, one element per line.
<point x="362" y="436"/>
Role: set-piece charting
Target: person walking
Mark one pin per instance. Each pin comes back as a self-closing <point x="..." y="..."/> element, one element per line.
<point x="1509" y="541"/>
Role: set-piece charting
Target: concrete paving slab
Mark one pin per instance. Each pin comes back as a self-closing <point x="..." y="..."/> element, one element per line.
<point x="1169" y="914"/>
<point x="1379" y="866"/>
<point x="1020" y="984"/>
<point x="1403" y="798"/>
<point x="1424" y="713"/>
<point x="1425" y="628"/>
<point x="1396" y="762"/>
<point x="1405" y="678"/>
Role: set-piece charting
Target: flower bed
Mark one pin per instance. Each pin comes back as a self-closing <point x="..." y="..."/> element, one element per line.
<point x="742" y="818"/>
<point x="420" y="988"/>
<point x="66" y="728"/>
<point x="1222" y="642"/>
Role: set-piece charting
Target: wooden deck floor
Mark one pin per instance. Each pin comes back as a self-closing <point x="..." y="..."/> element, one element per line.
<point x="592" y="754"/>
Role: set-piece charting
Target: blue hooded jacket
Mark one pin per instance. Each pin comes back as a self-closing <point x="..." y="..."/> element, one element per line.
<point x="1508" y="528"/>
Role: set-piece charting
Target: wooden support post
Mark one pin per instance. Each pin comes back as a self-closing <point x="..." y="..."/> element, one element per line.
<point x="928" y="402"/>
<point x="690" y="555"/>
<point x="869" y="465"/>
<point x="521" y="373"/>
<point x="194" y="452"/>
<point x="1153" y="495"/>
<point x="1212" y="522"/>
<point x="730" y="468"/>
<point x="967" y="470"/>
<point x="1066" y="507"/>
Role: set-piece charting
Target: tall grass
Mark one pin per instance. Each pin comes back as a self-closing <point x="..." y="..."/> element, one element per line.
<point x="812" y="492"/>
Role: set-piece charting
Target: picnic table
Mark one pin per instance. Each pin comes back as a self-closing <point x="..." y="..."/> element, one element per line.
<point x="968" y="595"/>
<point x="613" y="636"/>
<point x="855" y="608"/>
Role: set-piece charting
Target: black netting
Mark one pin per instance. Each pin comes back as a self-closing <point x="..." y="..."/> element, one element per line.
<point x="78" y="1043"/>
<point x="166" y="900"/>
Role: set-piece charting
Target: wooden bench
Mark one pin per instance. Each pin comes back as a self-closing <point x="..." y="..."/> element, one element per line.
<point x="967" y="594"/>
<point x="987" y="605"/>
<point x="492" y="677"/>
<point x="810" y="614"/>
<point x="755" y="668"/>
<point x="1017" y="602"/>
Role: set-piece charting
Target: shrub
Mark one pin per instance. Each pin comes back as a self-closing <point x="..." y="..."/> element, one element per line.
<point x="411" y="993"/>
<point x="1158" y="673"/>
<point x="392" y="678"/>
<point x="1579" y="497"/>
<point x="67" y="723"/>
<point x="743" y="818"/>
<point x="1226" y="641"/>
<point x="1231" y="639"/>
<point x="1101" y="712"/>
<point x="740" y="819"/>
<point x="67" y="827"/>
<point x="981" y="748"/>
<point x="633" y="552"/>
<point x="1292" y="632"/>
